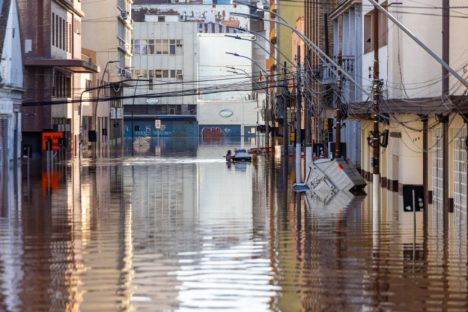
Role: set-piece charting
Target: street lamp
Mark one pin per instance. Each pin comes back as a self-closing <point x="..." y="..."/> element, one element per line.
<point x="101" y="83"/>
<point x="267" y="120"/>
<point x="321" y="54"/>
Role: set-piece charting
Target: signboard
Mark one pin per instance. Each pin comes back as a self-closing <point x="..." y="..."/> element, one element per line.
<point x="157" y="123"/>
<point x="408" y="197"/>
<point x="50" y="140"/>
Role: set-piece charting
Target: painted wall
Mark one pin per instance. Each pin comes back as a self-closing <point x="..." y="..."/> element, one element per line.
<point x="227" y="113"/>
<point x="169" y="128"/>
<point x="214" y="66"/>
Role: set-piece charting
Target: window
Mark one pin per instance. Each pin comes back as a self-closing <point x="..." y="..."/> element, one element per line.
<point x="165" y="73"/>
<point x="173" y="73"/>
<point x="161" y="19"/>
<point x="172" y="47"/>
<point x="137" y="46"/>
<point x="53" y="29"/>
<point x="143" y="47"/>
<point x="179" y="75"/>
<point x="165" y="46"/>
<point x="62" y="85"/>
<point x="158" y="46"/>
<point x="158" y="73"/>
<point x="57" y="31"/>
<point x="369" y="31"/>
<point x="151" y="73"/>
<point x="150" y="47"/>
<point x="62" y="35"/>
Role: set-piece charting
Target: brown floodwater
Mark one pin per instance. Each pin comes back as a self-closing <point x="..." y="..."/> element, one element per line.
<point x="174" y="228"/>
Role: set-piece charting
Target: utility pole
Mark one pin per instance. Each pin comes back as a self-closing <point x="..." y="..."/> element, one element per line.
<point x="338" y="111"/>
<point x="285" y="98"/>
<point x="307" y="117"/>
<point x="267" y="112"/>
<point x="445" y="95"/>
<point x="298" y="117"/>
<point x="375" y="103"/>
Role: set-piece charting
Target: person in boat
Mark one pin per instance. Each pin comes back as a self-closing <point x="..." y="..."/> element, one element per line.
<point x="229" y="156"/>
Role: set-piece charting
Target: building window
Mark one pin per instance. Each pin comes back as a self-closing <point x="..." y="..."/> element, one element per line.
<point x="179" y="75"/>
<point x="437" y="177"/>
<point x="150" y="46"/>
<point x="172" y="47"/>
<point x="57" y="31"/>
<point x="460" y="174"/>
<point x="161" y="19"/>
<point x="369" y="31"/>
<point x="136" y="46"/>
<point x="158" y="73"/>
<point x="173" y="74"/>
<point x="53" y="29"/>
<point x="62" y="85"/>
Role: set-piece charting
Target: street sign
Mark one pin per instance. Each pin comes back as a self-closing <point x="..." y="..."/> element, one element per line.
<point x="408" y="197"/>
<point x="157" y="123"/>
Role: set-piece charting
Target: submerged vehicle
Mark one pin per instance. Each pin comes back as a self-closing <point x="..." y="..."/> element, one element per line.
<point x="240" y="154"/>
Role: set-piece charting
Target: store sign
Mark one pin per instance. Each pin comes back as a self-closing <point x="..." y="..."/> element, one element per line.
<point x="226" y="113"/>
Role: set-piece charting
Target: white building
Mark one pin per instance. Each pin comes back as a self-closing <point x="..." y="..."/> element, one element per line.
<point x="11" y="82"/>
<point x="426" y="121"/>
<point x="165" y="64"/>
<point x="221" y="113"/>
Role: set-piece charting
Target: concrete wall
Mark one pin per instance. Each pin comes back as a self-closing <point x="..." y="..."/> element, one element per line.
<point x="186" y="61"/>
<point x="214" y="62"/>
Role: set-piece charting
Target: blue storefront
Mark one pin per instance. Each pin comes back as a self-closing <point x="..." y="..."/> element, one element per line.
<point x="161" y="127"/>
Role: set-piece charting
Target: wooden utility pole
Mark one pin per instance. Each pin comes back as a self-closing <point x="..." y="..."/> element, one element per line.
<point x="445" y="95"/>
<point x="338" y="111"/>
<point x="267" y="114"/>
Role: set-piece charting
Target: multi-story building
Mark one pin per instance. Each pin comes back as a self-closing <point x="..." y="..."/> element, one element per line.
<point x="422" y="107"/>
<point x="11" y="82"/>
<point x="236" y="111"/>
<point x="167" y="51"/>
<point x="164" y="62"/>
<point x="112" y="44"/>
<point x="51" y="30"/>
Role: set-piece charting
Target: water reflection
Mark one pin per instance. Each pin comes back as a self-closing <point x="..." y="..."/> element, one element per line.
<point x="175" y="228"/>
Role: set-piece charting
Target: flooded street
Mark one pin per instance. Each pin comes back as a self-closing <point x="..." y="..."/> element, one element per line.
<point x="173" y="227"/>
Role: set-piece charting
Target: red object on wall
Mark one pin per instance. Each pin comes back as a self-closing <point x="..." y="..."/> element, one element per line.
<point x="54" y="136"/>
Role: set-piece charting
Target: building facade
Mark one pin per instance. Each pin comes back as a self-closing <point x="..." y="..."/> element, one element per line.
<point x="422" y="108"/>
<point x="11" y="82"/>
<point x="112" y="44"/>
<point x="51" y="31"/>
<point x="164" y="63"/>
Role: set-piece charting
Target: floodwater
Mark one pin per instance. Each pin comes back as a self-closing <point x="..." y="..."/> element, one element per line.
<point x="173" y="228"/>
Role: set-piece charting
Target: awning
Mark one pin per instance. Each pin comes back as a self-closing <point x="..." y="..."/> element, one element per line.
<point x="76" y="66"/>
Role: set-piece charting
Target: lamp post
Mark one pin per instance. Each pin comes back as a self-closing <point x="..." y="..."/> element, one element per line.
<point x="267" y="120"/>
<point x="101" y="83"/>
<point x="81" y="105"/>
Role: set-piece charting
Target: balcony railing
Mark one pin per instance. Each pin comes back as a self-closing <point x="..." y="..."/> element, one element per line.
<point x="329" y="71"/>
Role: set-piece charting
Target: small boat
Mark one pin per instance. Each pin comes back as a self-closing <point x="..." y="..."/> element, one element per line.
<point x="240" y="154"/>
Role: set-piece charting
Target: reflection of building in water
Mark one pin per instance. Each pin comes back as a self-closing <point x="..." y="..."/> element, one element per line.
<point x="163" y="202"/>
<point x="11" y="239"/>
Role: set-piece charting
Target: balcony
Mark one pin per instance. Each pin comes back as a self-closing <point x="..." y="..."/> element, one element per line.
<point x="328" y="71"/>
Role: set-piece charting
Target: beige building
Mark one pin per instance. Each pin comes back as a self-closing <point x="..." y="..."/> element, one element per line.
<point x="112" y="44"/>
